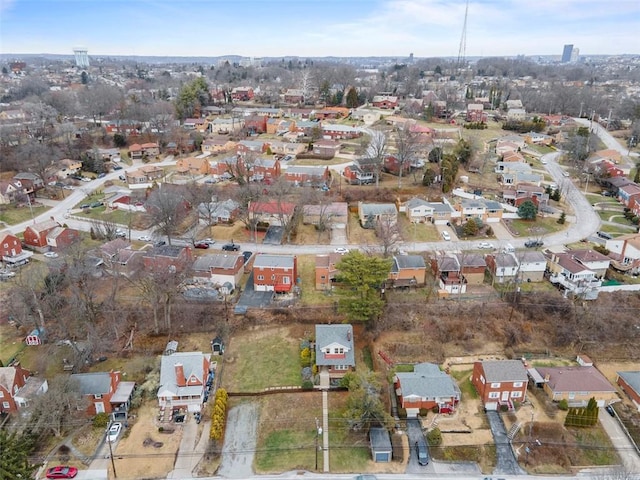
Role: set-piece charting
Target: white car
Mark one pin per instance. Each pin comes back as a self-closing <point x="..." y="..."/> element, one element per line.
<point x="51" y="254"/>
<point x="341" y="250"/>
<point x="68" y="187"/>
<point x="208" y="241"/>
<point x="446" y="236"/>
<point x="114" y="431"/>
<point x="485" y="246"/>
<point x="144" y="238"/>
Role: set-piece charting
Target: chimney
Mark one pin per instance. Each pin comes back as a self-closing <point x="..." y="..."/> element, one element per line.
<point x="349" y="335"/>
<point x="180" y="380"/>
<point x="546" y="378"/>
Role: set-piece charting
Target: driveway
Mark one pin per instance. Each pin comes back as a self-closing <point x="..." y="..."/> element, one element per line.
<point x="414" y="432"/>
<point x="239" y="442"/>
<point x="620" y="441"/>
<point x="506" y="463"/>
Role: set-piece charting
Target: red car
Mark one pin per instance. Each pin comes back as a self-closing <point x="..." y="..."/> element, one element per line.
<point x="201" y="245"/>
<point x="62" y="471"/>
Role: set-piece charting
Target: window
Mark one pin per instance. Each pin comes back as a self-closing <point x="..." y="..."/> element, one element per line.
<point x="286" y="280"/>
<point x="495" y="385"/>
<point x="98" y="396"/>
<point x="494" y="394"/>
<point x="273" y="277"/>
<point x="517" y="384"/>
<point x="516" y="394"/>
<point x="338" y="350"/>
<point x="260" y="277"/>
<point x="1" y="394"/>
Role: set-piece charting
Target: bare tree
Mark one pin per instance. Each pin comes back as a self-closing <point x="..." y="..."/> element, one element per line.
<point x="388" y="232"/>
<point x="377" y="150"/>
<point x="407" y="149"/>
<point x="245" y="195"/>
<point x="53" y="412"/>
<point x="167" y="209"/>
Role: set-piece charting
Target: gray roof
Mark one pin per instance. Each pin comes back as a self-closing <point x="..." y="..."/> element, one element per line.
<point x="440" y="207"/>
<point x="632" y="379"/>
<point x="380" y="440"/>
<point x="166" y="251"/>
<point x="278" y="261"/>
<point x="407" y="261"/>
<point x="504" y="371"/>
<point x="417" y="202"/>
<point x="378" y="209"/>
<point x="472" y="260"/>
<point x="339" y="334"/>
<point x="532" y="257"/>
<point x="427" y="381"/>
<point x="192" y="364"/>
<point x="97" y="383"/>
<point x="306" y="170"/>
<point x="218" y="260"/>
<point x="505" y="260"/>
<point x="448" y="263"/>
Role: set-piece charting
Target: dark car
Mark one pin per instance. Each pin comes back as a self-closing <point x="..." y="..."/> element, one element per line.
<point x="97" y="204"/>
<point x="231" y="247"/>
<point x="421" y="451"/>
<point x="102" y="175"/>
<point x="201" y="245"/>
<point x="117" y="167"/>
<point x="62" y="471"/>
<point x="159" y="243"/>
<point x="247" y="255"/>
<point x="533" y="243"/>
<point x="84" y="205"/>
<point x="610" y="410"/>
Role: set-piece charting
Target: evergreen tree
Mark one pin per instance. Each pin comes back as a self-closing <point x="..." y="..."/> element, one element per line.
<point x="14" y="460"/>
<point x="352" y="98"/>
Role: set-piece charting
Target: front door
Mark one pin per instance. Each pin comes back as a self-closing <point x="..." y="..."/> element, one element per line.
<point x="505" y="396"/>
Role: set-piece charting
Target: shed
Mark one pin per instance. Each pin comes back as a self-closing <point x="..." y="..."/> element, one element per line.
<point x="172" y="347"/>
<point x="36" y="337"/>
<point x="217" y="346"/>
<point x="380" y="444"/>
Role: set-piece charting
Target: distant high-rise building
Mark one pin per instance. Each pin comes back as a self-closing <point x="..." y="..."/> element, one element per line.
<point x="566" y="53"/>
<point x="82" y="58"/>
<point x="411" y="58"/>
<point x="575" y="55"/>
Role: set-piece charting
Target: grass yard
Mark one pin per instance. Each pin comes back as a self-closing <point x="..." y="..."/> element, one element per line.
<point x="594" y="198"/>
<point x="484" y="455"/>
<point x="417" y="232"/>
<point x="256" y="360"/>
<point x="11" y="343"/>
<point x="307" y="272"/>
<point x="359" y="235"/>
<point x="541" y="226"/>
<point x="11" y="214"/>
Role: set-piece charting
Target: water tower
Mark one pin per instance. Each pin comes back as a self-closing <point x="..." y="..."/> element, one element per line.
<point x="82" y="58"/>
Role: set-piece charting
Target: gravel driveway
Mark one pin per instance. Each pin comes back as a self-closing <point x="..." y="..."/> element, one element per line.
<point x="239" y="442"/>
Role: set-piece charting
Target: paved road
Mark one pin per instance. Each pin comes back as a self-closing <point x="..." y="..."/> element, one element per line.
<point x="608" y="139"/>
<point x="414" y="434"/>
<point x="628" y="454"/>
<point x="240" y="441"/>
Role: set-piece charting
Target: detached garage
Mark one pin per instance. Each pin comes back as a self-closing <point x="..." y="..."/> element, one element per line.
<point x="380" y="444"/>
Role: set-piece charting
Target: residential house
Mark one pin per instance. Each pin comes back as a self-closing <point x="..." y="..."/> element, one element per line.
<point x="62" y="237"/>
<point x="472" y="267"/>
<point x="407" y="271"/>
<point x="366" y="115"/>
<point x="9" y="191"/>
<point x="594" y="261"/>
<point x="513" y="104"/>
<point x="335" y="351"/>
<point x="223" y="270"/>
<point x="339" y="131"/>
<point x="371" y="213"/>
<point x="194" y="166"/>
<point x="417" y="210"/>
<point x="380" y="444"/>
<point x="576" y="385"/>
<point x="537" y="138"/>
<point x="232" y="165"/>
<point x="277" y="126"/>
<point x="225" y="211"/>
<point x="302" y="175"/>
<point x="255" y="124"/>
<point x="392" y="164"/>
<point x="329" y="214"/>
<point x="226" y="125"/>
<point x="502" y="266"/>
<point x="135" y="152"/>
<point x="218" y="144"/>
<point x="447" y="270"/>
<point x="29" y="182"/>
<point x="569" y="273"/>
<point x="242" y="94"/>
<point x="476" y="113"/>
<point x="627" y="192"/>
<point x="355" y="175"/>
<point x="625" y="252"/>
<point x="36" y="235"/>
<point x="244" y="147"/>
<point x="276" y="273"/>
<point x="271" y="212"/>
<point x="517" y="194"/>
<point x="513" y="157"/>
<point x="103" y="392"/>
<point x="198" y="124"/>
<point x="12" y="379"/>
<point x="387" y="102"/>
<point x="66" y="167"/>
<point x="293" y="96"/>
<point x="167" y="258"/>
<point x="426" y="388"/>
<point x="10" y="245"/>
<point x="532" y="266"/>
<point x="265" y="169"/>
<point x="120" y="259"/>
<point x="516" y="115"/>
<point x="484" y="211"/>
<point x="287" y="148"/>
<point x="500" y="382"/>
<point x="32" y="388"/>
<point x="144" y="176"/>
<point x="326" y="270"/>
<point x="629" y="382"/>
<point x="183" y="380"/>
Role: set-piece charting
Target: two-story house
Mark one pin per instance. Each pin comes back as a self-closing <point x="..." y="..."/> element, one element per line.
<point x="326" y="270"/>
<point x="10" y="248"/>
<point x="335" y="352"/>
<point x="532" y="266"/>
<point x="326" y="148"/>
<point x="183" y="380"/>
<point x="503" y="266"/>
<point x="36" y="235"/>
<point x="276" y="273"/>
<point x="103" y="392"/>
<point x="472" y="267"/>
<point x="12" y="379"/>
<point x="571" y="274"/>
<point x="303" y="175"/>
<point x="500" y="382"/>
<point x="222" y="270"/>
<point x="426" y="388"/>
<point x="447" y="270"/>
<point x="407" y="271"/>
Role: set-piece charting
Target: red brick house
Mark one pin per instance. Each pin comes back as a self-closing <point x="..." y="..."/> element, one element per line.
<point x="407" y="270"/>
<point x="385" y="101"/>
<point x="36" y="235"/>
<point x="61" y="237"/>
<point x="219" y="269"/>
<point x="150" y="150"/>
<point x="476" y="113"/>
<point x="12" y="379"/>
<point x="426" y="388"/>
<point x="500" y="382"/>
<point x="103" y="392"/>
<point x="293" y="96"/>
<point x="272" y="212"/>
<point x="10" y="245"/>
<point x="256" y="123"/>
<point x="135" y="151"/>
<point x="303" y="175"/>
<point x="167" y="257"/>
<point x="448" y="271"/>
<point x="266" y="169"/>
<point x="242" y="94"/>
<point x="629" y="382"/>
<point x="326" y="148"/>
<point x="277" y="273"/>
<point x="326" y="270"/>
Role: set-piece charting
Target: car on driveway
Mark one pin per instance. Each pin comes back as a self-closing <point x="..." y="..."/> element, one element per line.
<point x="114" y="431"/>
<point x="51" y="254"/>
<point x="62" y="471"/>
<point x="446" y="236"/>
<point x="231" y="247"/>
<point x="610" y="410"/>
<point x="422" y="453"/>
<point x="485" y="246"/>
<point x="341" y="250"/>
<point x="208" y="241"/>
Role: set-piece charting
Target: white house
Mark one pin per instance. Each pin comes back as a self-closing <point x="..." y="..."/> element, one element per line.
<point x="532" y="266"/>
<point x="183" y="380"/>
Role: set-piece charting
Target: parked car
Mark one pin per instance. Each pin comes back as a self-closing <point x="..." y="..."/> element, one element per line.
<point x="51" y="254"/>
<point x="341" y="250"/>
<point x="201" y="245"/>
<point x="605" y="235"/>
<point x="84" y="205"/>
<point x="610" y="410"/>
<point x="422" y="453"/>
<point x="159" y="243"/>
<point x="114" y="431"/>
<point x="231" y="247"/>
<point x="102" y="175"/>
<point x="68" y="187"/>
<point x="485" y="246"/>
<point x="533" y="243"/>
<point x="144" y="238"/>
<point x="446" y="236"/>
<point x="62" y="471"/>
<point x="122" y="177"/>
<point x="208" y="241"/>
<point x="97" y="204"/>
<point x="117" y="167"/>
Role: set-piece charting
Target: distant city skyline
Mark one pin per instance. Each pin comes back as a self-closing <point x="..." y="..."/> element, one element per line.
<point x="318" y="28"/>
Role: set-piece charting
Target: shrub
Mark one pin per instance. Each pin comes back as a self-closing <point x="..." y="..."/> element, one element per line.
<point x="504" y="408"/>
<point x="434" y="437"/>
<point x="563" y="404"/>
<point x="101" y="420"/>
<point x="307" y="385"/>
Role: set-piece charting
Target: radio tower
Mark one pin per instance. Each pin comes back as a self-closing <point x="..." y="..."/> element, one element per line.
<point x="462" y="51"/>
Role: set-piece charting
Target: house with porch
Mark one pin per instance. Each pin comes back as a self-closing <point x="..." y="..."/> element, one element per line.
<point x="275" y="273"/>
<point x="573" y="276"/>
<point x="183" y="380"/>
<point x="407" y="271"/>
<point x="11" y="248"/>
<point x="335" y="351"/>
<point x="447" y="270"/>
<point x="625" y="252"/>
<point x="577" y="384"/>
<point x="12" y="379"/>
<point x="502" y="266"/>
<point x="426" y="388"/>
<point x="500" y="382"/>
<point x="103" y="392"/>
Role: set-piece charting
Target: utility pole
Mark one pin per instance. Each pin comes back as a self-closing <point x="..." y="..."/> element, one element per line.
<point x="113" y="463"/>
<point x="317" y="435"/>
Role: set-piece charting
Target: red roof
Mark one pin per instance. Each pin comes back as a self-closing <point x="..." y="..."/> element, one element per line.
<point x="273" y="207"/>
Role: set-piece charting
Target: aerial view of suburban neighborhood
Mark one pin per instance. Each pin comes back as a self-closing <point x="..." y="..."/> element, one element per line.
<point x="345" y="264"/>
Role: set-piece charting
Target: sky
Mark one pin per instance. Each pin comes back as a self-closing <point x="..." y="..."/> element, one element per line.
<point x="318" y="28"/>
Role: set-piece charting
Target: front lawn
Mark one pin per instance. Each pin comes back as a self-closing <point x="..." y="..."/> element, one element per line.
<point x="539" y="227"/>
<point x="417" y="232"/>
<point x="12" y="214"/>
<point x="257" y="360"/>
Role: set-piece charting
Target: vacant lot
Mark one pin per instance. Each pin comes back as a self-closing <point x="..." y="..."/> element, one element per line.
<point x="11" y="214"/>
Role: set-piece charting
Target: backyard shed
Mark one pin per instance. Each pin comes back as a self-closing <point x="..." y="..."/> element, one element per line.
<point x="380" y="444"/>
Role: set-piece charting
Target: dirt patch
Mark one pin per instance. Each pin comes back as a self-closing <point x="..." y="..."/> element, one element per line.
<point x="138" y="454"/>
